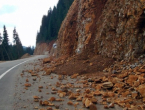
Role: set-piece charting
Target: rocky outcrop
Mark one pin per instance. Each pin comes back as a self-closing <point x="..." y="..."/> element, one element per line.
<point x="111" y="28"/>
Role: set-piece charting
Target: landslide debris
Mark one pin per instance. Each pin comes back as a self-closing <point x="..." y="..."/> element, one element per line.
<point x="121" y="86"/>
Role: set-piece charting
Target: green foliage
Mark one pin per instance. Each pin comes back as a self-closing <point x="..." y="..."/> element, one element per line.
<point x="52" y="22"/>
<point x="29" y="50"/>
<point x="9" y="51"/>
<point x="17" y="47"/>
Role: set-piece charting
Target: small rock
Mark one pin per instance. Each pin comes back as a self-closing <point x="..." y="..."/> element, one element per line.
<point x="70" y="103"/>
<point x="107" y="85"/>
<point x="111" y="105"/>
<point x="93" y="107"/>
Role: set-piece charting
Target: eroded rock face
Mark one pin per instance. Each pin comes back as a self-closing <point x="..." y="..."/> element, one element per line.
<point x="110" y="28"/>
<point x="45" y="49"/>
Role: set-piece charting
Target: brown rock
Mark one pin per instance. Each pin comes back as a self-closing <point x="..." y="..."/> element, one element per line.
<point x="49" y="108"/>
<point x="45" y="103"/>
<point x="70" y="103"/>
<point x="107" y="85"/>
<point x="106" y="106"/>
<point x="74" y="75"/>
<point x="72" y="96"/>
<point x="40" y="87"/>
<point x="92" y="107"/>
<point x="142" y="70"/>
<point x="94" y="100"/>
<point x="87" y="91"/>
<point x="62" y="94"/>
<point x="33" y="74"/>
<point x="58" y="100"/>
<point x="97" y="93"/>
<point x="132" y="79"/>
<point x="27" y="80"/>
<point x="46" y="60"/>
<point x="39" y="90"/>
<point x="27" y="85"/>
<point x="34" y="79"/>
<point x="141" y="90"/>
<point x="52" y="99"/>
<point x="111" y="94"/>
<point x="36" y="97"/>
<point x="87" y="103"/>
<point x="48" y="71"/>
<point x="79" y="98"/>
<point x="134" y="95"/>
<point x="111" y="105"/>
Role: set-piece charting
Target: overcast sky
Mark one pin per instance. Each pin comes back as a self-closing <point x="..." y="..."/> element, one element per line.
<point x="25" y="15"/>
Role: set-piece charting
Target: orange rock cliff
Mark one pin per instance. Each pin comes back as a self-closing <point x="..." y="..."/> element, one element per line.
<point x="111" y="28"/>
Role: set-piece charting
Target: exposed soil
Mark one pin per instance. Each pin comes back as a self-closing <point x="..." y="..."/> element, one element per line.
<point x="79" y="65"/>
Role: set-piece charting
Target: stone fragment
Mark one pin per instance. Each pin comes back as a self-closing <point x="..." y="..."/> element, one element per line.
<point x="74" y="75"/>
<point x="33" y="74"/>
<point x="35" y="107"/>
<point x="45" y="103"/>
<point x="111" y="105"/>
<point x="27" y="80"/>
<point x="142" y="70"/>
<point x="27" y="85"/>
<point x="70" y="103"/>
<point x="93" y="107"/>
<point x="36" y="100"/>
<point x="141" y="90"/>
<point x="34" y="79"/>
<point x="87" y="102"/>
<point x="52" y="99"/>
<point x="132" y="79"/>
<point x="97" y="93"/>
<point x="75" y="104"/>
<point x="134" y="95"/>
<point x="48" y="71"/>
<point x="106" y="106"/>
<point x="40" y="87"/>
<point x="79" y="98"/>
<point x="36" y="97"/>
<point x="46" y="60"/>
<point x="107" y="85"/>
<point x="58" y="100"/>
<point x="51" y="104"/>
<point x="94" y="100"/>
<point x="78" y="90"/>
<point x="49" y="108"/>
<point x="72" y="96"/>
<point x="62" y="94"/>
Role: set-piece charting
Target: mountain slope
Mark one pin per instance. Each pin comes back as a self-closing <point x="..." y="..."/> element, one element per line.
<point x="109" y="28"/>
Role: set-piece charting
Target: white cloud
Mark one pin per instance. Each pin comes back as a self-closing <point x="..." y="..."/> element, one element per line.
<point x="26" y="18"/>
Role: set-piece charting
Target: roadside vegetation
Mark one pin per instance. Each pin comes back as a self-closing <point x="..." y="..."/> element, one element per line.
<point x="12" y="51"/>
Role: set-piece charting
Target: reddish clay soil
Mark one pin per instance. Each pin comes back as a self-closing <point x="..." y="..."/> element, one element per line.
<point x="94" y="65"/>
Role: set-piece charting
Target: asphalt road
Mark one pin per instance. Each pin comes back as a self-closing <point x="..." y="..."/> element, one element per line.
<point x="8" y="72"/>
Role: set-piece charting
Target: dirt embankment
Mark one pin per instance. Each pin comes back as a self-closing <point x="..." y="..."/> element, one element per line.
<point x="44" y="48"/>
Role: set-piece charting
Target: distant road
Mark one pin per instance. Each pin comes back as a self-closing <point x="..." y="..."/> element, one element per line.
<point x="8" y="72"/>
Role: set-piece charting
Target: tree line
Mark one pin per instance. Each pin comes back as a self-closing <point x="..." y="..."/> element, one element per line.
<point x="9" y="51"/>
<point x="52" y="21"/>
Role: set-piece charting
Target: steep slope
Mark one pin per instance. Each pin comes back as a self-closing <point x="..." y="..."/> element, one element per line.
<point x="110" y="28"/>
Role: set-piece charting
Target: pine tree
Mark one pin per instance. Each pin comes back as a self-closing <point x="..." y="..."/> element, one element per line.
<point x="18" y="48"/>
<point x="1" y="50"/>
<point x="5" y="45"/>
<point x="52" y="22"/>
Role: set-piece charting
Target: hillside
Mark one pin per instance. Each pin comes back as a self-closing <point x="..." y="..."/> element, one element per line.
<point x="102" y="43"/>
<point x="109" y="28"/>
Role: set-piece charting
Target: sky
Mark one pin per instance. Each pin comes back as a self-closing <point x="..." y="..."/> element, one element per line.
<point x="26" y="16"/>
